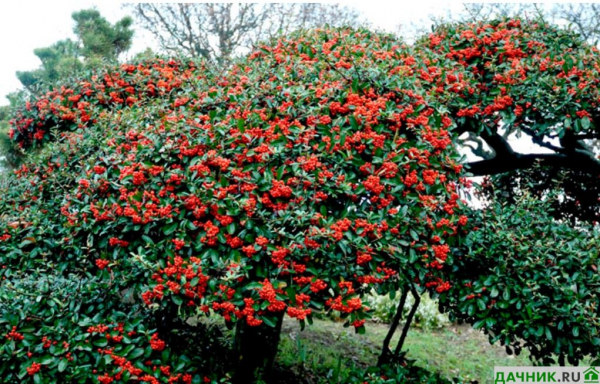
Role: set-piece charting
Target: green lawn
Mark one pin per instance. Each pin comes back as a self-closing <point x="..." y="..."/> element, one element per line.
<point x="324" y="351"/>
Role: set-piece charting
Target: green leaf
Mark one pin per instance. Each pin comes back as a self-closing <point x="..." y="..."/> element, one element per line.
<point x="268" y="321"/>
<point x="147" y="239"/>
<point x="481" y="304"/>
<point x="135" y="353"/>
<point x="177" y="299"/>
<point x="494" y="292"/>
<point x="414" y="235"/>
<point x="47" y="360"/>
<point x="585" y="123"/>
<point x="231" y="228"/>
<point x="471" y="310"/>
<point x="353" y="122"/>
<point x="240" y="125"/>
<point x="62" y="365"/>
<point x="169" y="229"/>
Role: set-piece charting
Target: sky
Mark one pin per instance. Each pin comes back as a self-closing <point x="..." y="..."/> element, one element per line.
<point x="26" y="25"/>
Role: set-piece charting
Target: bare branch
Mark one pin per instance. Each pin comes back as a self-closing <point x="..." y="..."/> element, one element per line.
<point x="218" y="31"/>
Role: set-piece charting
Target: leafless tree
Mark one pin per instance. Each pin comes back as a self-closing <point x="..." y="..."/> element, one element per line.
<point x="217" y="31"/>
<point x="583" y="18"/>
<point x="487" y="11"/>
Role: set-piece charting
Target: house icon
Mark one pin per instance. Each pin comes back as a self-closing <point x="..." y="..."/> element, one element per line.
<point x="591" y="376"/>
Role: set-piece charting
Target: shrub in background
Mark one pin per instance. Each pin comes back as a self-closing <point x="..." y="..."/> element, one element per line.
<point x="427" y="316"/>
<point x="541" y="289"/>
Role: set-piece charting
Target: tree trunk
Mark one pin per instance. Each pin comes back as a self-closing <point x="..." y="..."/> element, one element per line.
<point x="254" y="350"/>
<point x="409" y="318"/>
<point x="384" y="358"/>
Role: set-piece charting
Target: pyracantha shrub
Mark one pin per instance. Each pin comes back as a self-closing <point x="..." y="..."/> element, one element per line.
<point x="311" y="172"/>
<point x="62" y="330"/>
<point x="525" y="74"/>
<point x="78" y="103"/>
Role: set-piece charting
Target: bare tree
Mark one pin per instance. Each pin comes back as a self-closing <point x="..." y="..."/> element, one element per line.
<point x="217" y="31"/>
<point x="583" y="18"/>
<point x="488" y="11"/>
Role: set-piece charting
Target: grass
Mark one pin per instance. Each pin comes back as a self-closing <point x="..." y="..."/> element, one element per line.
<point x="326" y="351"/>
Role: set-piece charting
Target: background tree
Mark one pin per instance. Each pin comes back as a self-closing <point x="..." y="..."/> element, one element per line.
<point x="59" y="60"/>
<point x="217" y="31"/>
<point x="584" y="18"/>
<point x="97" y="41"/>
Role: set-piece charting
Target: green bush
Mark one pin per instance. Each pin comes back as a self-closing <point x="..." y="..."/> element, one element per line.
<point x="279" y="188"/>
<point x="538" y="282"/>
<point x="427" y="316"/>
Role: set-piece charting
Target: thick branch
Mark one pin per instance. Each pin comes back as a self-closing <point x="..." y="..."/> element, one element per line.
<point x="408" y="321"/>
<point x="574" y="155"/>
<point x="476" y="144"/>
<point x="540" y="140"/>
<point x="578" y="160"/>
<point x="498" y="144"/>
<point x="385" y="351"/>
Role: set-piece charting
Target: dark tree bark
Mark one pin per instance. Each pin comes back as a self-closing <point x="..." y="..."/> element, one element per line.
<point x="385" y="350"/>
<point x="574" y="154"/>
<point x="408" y="321"/>
<point x="255" y="349"/>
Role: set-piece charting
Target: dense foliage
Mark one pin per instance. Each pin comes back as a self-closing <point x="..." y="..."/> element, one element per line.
<point x="537" y="282"/>
<point x="313" y="177"/>
<point x="314" y="170"/>
<point x="576" y="203"/>
<point x="544" y="82"/>
<point x="527" y="75"/>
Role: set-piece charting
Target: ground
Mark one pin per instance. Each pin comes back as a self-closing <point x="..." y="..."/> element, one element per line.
<point x="325" y="351"/>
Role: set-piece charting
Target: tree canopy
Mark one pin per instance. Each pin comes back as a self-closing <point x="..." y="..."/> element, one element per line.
<point x="98" y="42"/>
<point x="315" y="169"/>
<point x="578" y="200"/>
